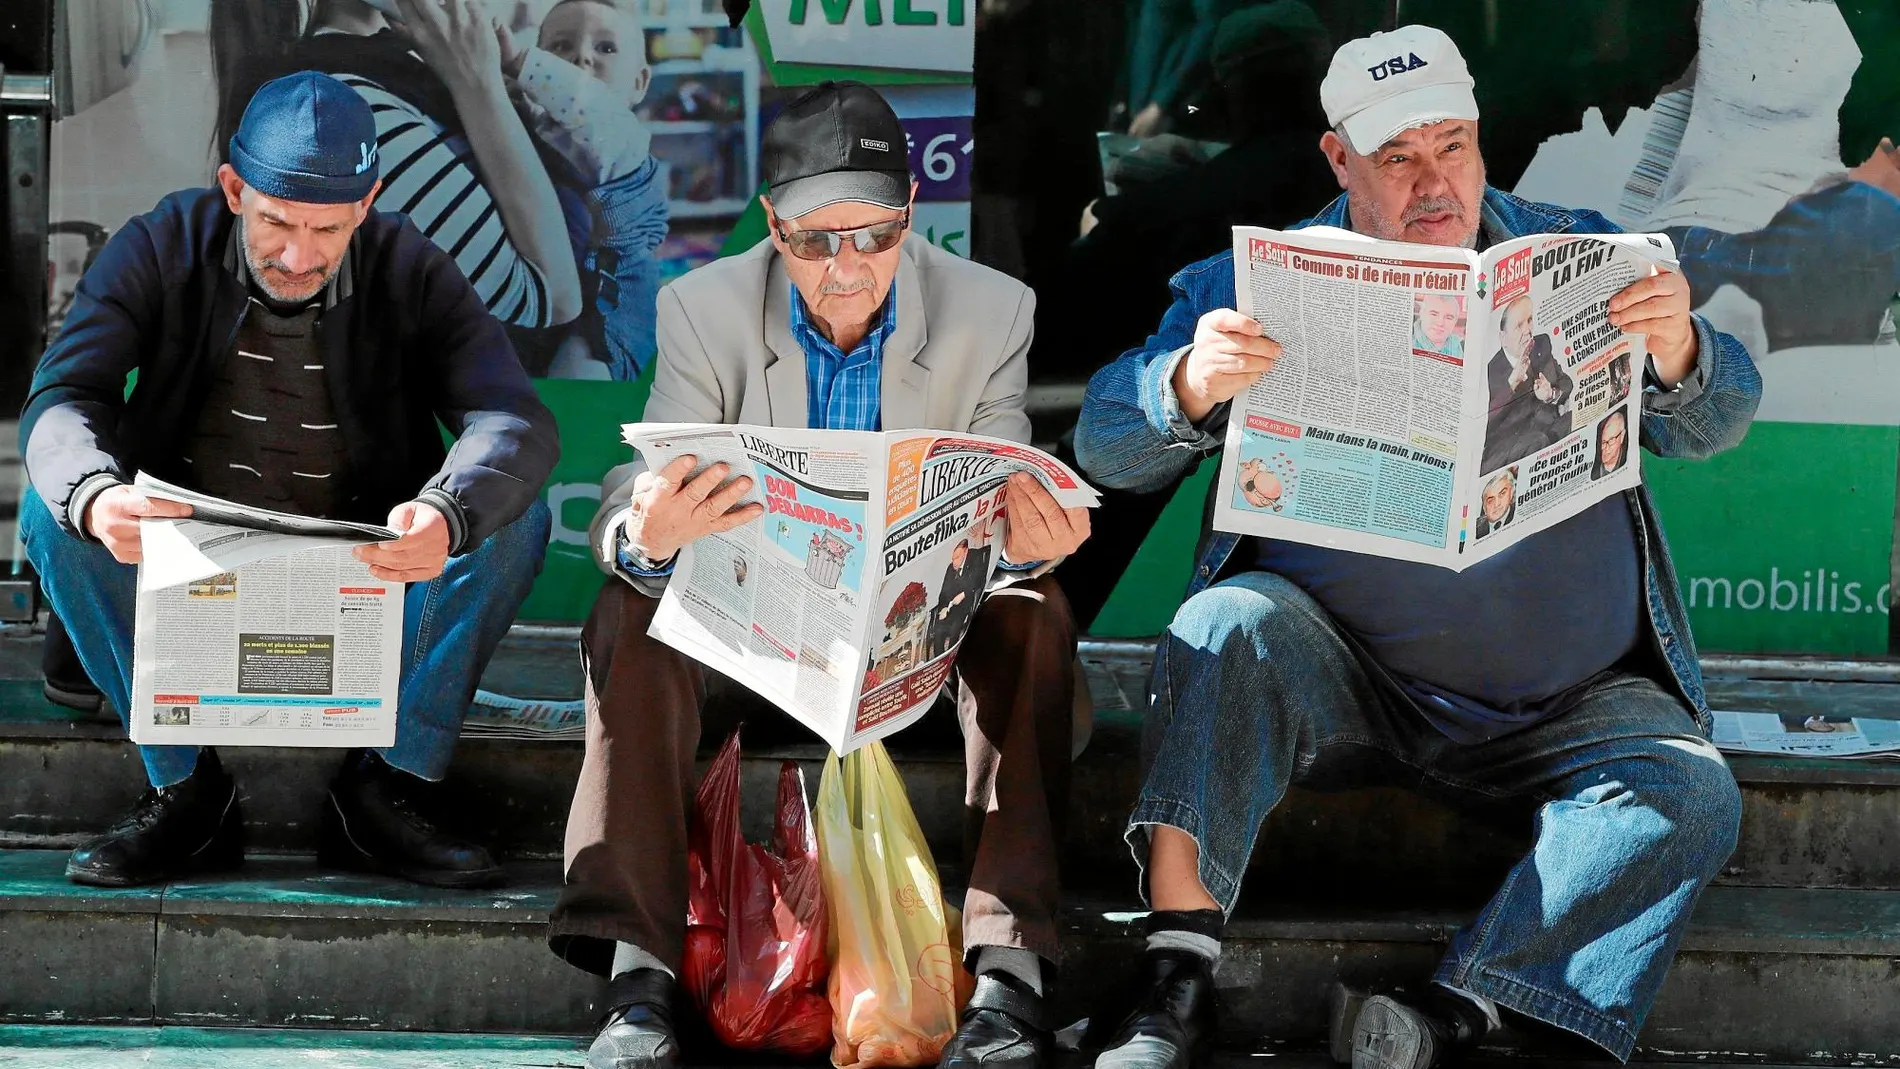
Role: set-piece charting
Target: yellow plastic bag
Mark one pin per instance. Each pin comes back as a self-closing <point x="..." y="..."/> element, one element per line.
<point x="897" y="977"/>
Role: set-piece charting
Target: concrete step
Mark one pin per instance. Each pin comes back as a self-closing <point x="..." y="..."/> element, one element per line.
<point x="1765" y="973"/>
<point x="1807" y="822"/>
<point x="145" y="1047"/>
<point x="69" y="1046"/>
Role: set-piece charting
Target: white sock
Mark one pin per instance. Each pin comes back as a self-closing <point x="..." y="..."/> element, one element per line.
<point x="1485" y="1005"/>
<point x="1193" y="942"/>
<point x="628" y="957"/>
<point x="1024" y="965"/>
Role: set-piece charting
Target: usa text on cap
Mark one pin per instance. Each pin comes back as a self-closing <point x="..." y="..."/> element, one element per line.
<point x="1383" y="85"/>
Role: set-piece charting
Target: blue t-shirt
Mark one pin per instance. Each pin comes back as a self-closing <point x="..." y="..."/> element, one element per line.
<point x="1501" y="644"/>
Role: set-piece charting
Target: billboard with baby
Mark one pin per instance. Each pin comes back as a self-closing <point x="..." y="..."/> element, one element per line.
<point x="572" y="155"/>
<point x="575" y="155"/>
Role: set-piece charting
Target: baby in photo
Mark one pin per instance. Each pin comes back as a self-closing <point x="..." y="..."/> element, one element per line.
<point x="578" y="86"/>
<point x="582" y="79"/>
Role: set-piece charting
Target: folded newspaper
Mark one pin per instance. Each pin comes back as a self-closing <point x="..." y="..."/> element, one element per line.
<point x="1433" y="404"/>
<point x="258" y="628"/>
<point x="1807" y="735"/>
<point x="844" y="604"/>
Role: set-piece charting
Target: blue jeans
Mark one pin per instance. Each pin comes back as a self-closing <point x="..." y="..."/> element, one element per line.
<point x="450" y="628"/>
<point x="1255" y="688"/>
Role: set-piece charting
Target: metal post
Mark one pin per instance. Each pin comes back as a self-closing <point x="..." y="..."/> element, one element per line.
<point x="26" y="102"/>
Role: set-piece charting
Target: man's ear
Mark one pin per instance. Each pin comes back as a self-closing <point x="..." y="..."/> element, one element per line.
<point x="362" y="206"/>
<point x="233" y="188"/>
<point x="1335" y="149"/>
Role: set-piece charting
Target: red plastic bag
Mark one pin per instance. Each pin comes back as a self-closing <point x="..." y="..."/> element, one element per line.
<point x="755" y="918"/>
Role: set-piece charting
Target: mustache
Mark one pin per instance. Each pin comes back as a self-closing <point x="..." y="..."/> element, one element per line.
<point x="322" y="271"/>
<point x="845" y="287"/>
<point x="1432" y="206"/>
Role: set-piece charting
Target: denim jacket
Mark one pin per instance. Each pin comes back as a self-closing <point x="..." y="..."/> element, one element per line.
<point x="1133" y="435"/>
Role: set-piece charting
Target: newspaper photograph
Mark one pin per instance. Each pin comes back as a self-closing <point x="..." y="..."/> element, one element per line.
<point x="1432" y="404"/>
<point x="1807" y="735"/>
<point x="258" y="628"/>
<point x="845" y="603"/>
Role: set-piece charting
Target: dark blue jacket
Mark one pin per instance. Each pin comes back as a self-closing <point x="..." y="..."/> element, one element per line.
<point x="407" y="343"/>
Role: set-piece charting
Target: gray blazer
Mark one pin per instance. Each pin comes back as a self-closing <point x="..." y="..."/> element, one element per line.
<point x="957" y="360"/>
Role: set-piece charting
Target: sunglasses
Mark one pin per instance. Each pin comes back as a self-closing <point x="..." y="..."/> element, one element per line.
<point x="824" y="244"/>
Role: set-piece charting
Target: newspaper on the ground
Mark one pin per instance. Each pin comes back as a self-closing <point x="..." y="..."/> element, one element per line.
<point x="846" y="602"/>
<point x="259" y="628"/>
<point x="500" y="716"/>
<point x="1807" y="735"/>
<point x="1433" y="404"/>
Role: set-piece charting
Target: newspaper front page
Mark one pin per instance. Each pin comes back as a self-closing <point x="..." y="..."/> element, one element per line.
<point x="845" y="603"/>
<point x="1431" y="404"/>
<point x="264" y="634"/>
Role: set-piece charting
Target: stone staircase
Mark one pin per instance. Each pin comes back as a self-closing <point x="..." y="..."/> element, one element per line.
<point x="1792" y="958"/>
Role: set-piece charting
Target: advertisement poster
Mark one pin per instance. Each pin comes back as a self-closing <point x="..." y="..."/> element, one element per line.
<point x="1787" y="221"/>
<point x="632" y="200"/>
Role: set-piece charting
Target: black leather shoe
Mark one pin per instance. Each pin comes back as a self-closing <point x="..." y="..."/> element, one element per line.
<point x="1004" y="1026"/>
<point x="1172" y="1023"/>
<point x="190" y="827"/>
<point x="378" y="819"/>
<point x="637" y="1030"/>
<point x="1399" y="1031"/>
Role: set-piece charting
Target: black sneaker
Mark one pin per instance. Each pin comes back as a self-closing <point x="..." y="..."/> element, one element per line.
<point x="1004" y="1026"/>
<point x="379" y="819"/>
<point x="191" y="827"/>
<point x="637" y="1030"/>
<point x="1400" y="1031"/>
<point x="1172" y="1023"/>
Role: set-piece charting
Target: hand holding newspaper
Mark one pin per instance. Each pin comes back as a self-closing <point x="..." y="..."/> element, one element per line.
<point x="259" y="628"/>
<point x="1433" y="404"/>
<point x="844" y="604"/>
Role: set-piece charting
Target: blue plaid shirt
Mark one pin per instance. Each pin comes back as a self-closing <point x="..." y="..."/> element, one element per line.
<point x="842" y="390"/>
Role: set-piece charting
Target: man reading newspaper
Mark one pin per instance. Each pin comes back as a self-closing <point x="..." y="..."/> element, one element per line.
<point x="294" y="349"/>
<point x="840" y="321"/>
<point x="1560" y="671"/>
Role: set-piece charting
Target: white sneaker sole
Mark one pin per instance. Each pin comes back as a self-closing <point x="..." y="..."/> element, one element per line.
<point x="1388" y="1035"/>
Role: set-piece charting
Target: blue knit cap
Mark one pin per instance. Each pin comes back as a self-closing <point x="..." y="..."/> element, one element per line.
<point x="307" y="137"/>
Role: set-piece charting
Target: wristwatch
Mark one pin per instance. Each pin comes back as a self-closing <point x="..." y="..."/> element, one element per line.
<point x="638" y="560"/>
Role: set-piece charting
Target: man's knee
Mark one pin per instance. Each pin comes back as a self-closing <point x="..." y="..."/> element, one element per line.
<point x="1033" y="615"/>
<point x="1256" y="615"/>
<point x="1702" y="802"/>
<point x="46" y="542"/>
<point x="620" y="613"/>
<point x="521" y="545"/>
<point x="633" y="676"/>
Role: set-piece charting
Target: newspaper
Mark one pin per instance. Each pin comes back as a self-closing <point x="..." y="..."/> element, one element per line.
<point x="844" y="604"/>
<point x="1807" y="735"/>
<point x="500" y="716"/>
<point x="1433" y="404"/>
<point x="258" y="628"/>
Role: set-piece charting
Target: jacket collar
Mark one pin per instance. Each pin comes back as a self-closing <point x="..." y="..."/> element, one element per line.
<point x="1501" y="215"/>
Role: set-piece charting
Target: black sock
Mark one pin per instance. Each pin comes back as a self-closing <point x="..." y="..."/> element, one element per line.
<point x="1197" y="931"/>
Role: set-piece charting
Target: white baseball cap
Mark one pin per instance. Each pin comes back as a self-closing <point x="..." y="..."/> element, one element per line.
<point x="1383" y="85"/>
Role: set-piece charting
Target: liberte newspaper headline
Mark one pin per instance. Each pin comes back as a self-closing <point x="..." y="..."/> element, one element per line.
<point x="1433" y="404"/>
<point x="845" y="603"/>
<point x="259" y="628"/>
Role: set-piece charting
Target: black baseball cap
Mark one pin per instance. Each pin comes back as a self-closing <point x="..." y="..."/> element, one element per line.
<point x="839" y="142"/>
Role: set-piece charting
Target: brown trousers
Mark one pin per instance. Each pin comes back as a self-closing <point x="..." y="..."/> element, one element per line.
<point x="626" y="834"/>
